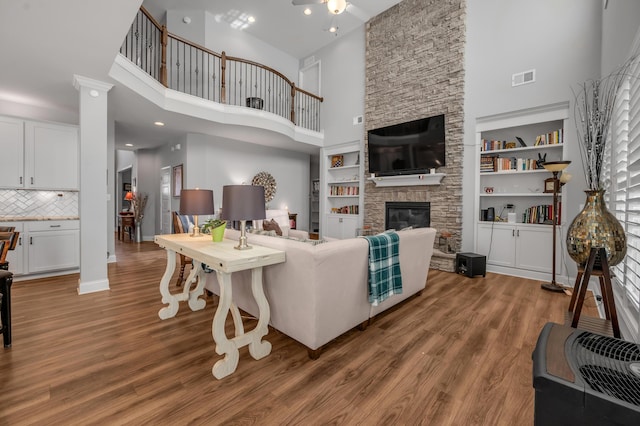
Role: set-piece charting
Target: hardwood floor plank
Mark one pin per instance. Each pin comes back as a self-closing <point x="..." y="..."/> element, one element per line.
<point x="459" y="353"/>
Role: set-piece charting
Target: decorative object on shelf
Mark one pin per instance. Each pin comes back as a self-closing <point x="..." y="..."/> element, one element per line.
<point x="337" y="161"/>
<point x="554" y="167"/>
<point x="541" y="160"/>
<point x="177" y="180"/>
<point x="488" y="189"/>
<point x="196" y="202"/>
<point x="255" y="102"/>
<point x="522" y="144"/>
<point x="243" y="202"/>
<point x="510" y="145"/>
<point x="216" y="228"/>
<point x="444" y="242"/>
<point x="138" y="204"/>
<point x="267" y="181"/>
<point x="595" y="226"/>
<point x="550" y="185"/>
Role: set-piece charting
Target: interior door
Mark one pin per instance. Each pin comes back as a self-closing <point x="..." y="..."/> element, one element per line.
<point x="165" y="200"/>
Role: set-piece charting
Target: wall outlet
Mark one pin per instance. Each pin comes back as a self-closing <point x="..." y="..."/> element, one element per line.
<point x="358" y="120"/>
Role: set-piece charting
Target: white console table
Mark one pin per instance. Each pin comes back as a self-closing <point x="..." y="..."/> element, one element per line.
<point x="224" y="259"/>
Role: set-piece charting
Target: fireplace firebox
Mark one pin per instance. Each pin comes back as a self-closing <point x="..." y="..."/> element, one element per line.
<point x="402" y="214"/>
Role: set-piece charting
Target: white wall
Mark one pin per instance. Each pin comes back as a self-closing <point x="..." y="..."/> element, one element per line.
<point x="561" y="40"/>
<point x="194" y="31"/>
<point x="619" y="28"/>
<point x="342" y="82"/>
<point x="214" y="162"/>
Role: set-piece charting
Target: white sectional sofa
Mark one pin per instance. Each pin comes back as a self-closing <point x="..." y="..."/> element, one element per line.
<point x="320" y="291"/>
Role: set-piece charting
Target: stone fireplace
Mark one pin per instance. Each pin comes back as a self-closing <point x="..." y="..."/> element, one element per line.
<point x="414" y="68"/>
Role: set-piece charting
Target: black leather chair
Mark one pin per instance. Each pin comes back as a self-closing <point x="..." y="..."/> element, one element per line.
<point x="6" y="279"/>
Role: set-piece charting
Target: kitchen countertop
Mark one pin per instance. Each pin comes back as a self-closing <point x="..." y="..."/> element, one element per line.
<point x="35" y="218"/>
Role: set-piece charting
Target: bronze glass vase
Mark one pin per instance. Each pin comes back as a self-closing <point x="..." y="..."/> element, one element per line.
<point x="593" y="227"/>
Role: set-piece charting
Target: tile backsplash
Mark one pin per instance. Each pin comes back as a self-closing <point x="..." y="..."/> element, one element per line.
<point x="16" y="202"/>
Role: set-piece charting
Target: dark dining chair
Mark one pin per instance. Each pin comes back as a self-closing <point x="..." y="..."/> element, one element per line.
<point x="6" y="279"/>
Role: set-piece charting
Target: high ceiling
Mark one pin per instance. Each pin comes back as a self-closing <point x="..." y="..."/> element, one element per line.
<point x="280" y="23"/>
<point x="45" y="43"/>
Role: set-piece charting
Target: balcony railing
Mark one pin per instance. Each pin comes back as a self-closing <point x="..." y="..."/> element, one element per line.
<point x="186" y="67"/>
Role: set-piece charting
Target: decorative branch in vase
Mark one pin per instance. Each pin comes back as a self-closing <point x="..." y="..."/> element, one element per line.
<point x="138" y="204"/>
<point x="595" y="226"/>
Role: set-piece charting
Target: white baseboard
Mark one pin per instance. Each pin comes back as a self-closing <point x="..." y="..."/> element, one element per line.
<point x="93" y="286"/>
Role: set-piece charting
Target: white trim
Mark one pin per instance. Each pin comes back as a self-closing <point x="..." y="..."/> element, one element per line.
<point x="93" y="286"/>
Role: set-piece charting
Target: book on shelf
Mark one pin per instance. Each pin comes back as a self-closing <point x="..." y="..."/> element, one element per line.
<point x="500" y="164"/>
<point x="542" y="214"/>
<point x="353" y="209"/>
<point x="552" y="138"/>
<point x="345" y="190"/>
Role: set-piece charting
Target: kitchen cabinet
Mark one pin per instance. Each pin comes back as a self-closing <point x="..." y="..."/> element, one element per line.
<point x="38" y="155"/>
<point x="12" y="148"/>
<point x="45" y="246"/>
<point x="51" y="156"/>
<point x="53" y="245"/>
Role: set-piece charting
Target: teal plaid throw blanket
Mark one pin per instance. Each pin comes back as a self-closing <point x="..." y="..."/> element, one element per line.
<point x="384" y="267"/>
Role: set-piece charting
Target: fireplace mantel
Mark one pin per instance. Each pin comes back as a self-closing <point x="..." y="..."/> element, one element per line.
<point x="408" y="180"/>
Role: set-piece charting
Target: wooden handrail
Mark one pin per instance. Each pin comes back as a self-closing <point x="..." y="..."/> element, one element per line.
<point x="151" y="18"/>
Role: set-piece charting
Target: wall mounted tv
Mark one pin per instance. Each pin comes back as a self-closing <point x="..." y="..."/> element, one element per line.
<point x="407" y="148"/>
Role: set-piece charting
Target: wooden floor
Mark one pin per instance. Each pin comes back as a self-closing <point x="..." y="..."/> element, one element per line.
<point x="459" y="354"/>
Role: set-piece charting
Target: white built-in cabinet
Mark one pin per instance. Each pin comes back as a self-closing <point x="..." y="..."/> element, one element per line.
<point x="341" y="190"/>
<point x="38" y="155"/>
<point x="518" y="248"/>
<point x="45" y="246"/>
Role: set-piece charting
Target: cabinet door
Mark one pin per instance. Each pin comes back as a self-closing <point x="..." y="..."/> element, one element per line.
<point x="349" y="227"/>
<point x="334" y="227"/>
<point x="51" y="156"/>
<point x="12" y="148"/>
<point x="534" y="249"/>
<point x="16" y="257"/>
<point x="53" y="250"/>
<point x="497" y="242"/>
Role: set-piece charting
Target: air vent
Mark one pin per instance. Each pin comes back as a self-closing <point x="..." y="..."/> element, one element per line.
<point x="524" y="77"/>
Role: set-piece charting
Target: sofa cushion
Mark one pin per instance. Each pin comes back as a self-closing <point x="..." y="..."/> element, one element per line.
<point x="271" y="225"/>
<point x="262" y="232"/>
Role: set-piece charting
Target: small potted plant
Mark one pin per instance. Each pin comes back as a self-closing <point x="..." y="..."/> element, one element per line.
<point x="216" y="228"/>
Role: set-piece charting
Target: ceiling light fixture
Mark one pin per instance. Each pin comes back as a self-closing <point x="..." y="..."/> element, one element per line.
<point x="336" y="6"/>
<point x="158" y="123"/>
<point x="251" y="19"/>
<point x="333" y="29"/>
<point x="128" y="144"/>
<point x="307" y="11"/>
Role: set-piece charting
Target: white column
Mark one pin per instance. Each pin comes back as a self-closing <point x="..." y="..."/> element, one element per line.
<point x="93" y="184"/>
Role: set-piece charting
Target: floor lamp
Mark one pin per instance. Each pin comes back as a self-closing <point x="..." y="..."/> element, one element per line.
<point x="555" y="167"/>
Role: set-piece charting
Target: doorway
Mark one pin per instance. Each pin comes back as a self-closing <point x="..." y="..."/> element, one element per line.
<point x="165" y="200"/>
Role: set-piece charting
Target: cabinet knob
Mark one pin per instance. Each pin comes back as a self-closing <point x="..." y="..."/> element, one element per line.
<point x="54" y="226"/>
<point x="20" y="180"/>
<point x="31" y="180"/>
<point x="513" y="232"/>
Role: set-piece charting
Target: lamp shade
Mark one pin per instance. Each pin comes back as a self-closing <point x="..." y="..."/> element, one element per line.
<point x="196" y="201"/>
<point x="129" y="196"/>
<point x="556" y="166"/>
<point x="242" y="202"/>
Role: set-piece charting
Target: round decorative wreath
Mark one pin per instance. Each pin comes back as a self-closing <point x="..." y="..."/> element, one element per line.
<point x="269" y="183"/>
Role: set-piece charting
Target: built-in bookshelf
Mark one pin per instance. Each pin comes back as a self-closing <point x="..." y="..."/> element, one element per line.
<point x="511" y="148"/>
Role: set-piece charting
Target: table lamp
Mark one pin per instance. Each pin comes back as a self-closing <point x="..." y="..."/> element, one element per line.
<point x="128" y="197"/>
<point x="243" y="202"/>
<point x="196" y="202"/>
<point x="555" y="167"/>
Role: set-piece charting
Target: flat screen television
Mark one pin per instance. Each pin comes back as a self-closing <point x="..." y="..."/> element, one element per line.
<point x="413" y="147"/>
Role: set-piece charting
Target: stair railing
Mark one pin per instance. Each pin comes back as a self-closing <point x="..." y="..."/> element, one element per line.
<point x="189" y="68"/>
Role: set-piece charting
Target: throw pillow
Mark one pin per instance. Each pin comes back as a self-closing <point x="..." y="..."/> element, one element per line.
<point x="262" y="232"/>
<point x="272" y="225"/>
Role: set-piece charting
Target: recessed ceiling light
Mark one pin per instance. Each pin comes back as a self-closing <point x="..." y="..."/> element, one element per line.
<point x="333" y="29"/>
<point x="128" y="144"/>
<point x="159" y="123"/>
<point x="307" y="11"/>
<point x="251" y="19"/>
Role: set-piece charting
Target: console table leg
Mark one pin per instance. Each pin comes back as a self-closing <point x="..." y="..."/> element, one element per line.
<point x="171" y="310"/>
<point x="229" y="363"/>
<point x="195" y="303"/>
<point x="258" y="348"/>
